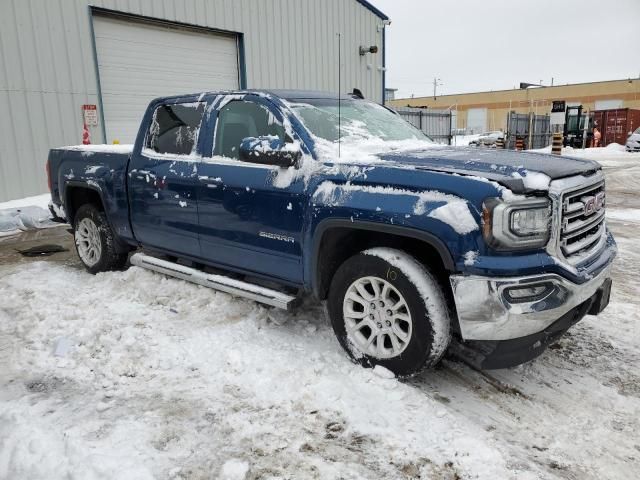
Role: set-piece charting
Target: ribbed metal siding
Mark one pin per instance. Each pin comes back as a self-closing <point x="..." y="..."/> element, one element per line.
<point x="47" y="68"/>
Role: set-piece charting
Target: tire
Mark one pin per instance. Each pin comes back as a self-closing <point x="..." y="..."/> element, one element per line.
<point x="419" y="341"/>
<point x="95" y="242"/>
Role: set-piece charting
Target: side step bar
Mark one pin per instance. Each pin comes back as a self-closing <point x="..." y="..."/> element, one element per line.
<point x="217" y="282"/>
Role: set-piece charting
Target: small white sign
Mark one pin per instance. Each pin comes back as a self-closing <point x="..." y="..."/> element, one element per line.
<point x="90" y="115"/>
<point x="557" y="118"/>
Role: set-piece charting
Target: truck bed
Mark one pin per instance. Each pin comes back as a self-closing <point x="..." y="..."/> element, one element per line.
<point x="101" y="168"/>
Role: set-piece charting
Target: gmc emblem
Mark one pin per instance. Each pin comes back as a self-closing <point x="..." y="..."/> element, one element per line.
<point x="593" y="204"/>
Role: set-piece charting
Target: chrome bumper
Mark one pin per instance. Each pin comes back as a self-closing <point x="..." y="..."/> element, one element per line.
<point x="486" y="311"/>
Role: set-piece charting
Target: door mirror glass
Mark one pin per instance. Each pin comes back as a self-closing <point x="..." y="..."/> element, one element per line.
<point x="269" y="150"/>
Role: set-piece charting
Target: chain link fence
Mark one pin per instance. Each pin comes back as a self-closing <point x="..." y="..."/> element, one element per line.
<point x="434" y="123"/>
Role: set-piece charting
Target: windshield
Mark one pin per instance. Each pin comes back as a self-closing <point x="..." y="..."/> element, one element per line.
<point x="360" y="120"/>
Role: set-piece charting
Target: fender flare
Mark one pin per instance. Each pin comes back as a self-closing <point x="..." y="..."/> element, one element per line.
<point x="78" y="184"/>
<point x="327" y="224"/>
<point x="121" y="245"/>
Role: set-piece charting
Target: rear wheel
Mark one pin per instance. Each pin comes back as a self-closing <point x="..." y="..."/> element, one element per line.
<point x="95" y="242"/>
<point x="387" y="309"/>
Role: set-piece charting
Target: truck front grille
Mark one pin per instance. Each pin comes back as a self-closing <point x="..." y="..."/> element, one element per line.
<point x="582" y="226"/>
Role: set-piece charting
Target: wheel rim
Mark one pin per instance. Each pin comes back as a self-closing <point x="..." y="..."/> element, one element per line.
<point x="377" y="318"/>
<point x="88" y="242"/>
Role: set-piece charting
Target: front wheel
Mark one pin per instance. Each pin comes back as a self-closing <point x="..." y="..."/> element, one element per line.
<point x="95" y="242"/>
<point x="387" y="309"/>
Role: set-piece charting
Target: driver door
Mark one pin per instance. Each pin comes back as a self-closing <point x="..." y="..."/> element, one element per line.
<point x="246" y="223"/>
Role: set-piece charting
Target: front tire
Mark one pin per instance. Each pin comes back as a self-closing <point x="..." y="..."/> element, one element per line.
<point x="95" y="242"/>
<point x="387" y="309"/>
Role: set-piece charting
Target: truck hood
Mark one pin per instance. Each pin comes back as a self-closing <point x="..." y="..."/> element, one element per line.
<point x="506" y="167"/>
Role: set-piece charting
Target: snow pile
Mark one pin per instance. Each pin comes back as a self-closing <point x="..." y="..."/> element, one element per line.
<point x="611" y="150"/>
<point x="29" y="451"/>
<point x="25" y="214"/>
<point x="464" y="140"/>
<point x="533" y="180"/>
<point x="164" y="375"/>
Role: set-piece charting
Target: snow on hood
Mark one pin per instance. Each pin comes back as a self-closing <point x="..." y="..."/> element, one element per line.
<point x="521" y="172"/>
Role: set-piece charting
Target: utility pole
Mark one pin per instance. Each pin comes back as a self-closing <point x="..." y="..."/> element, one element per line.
<point x="436" y="84"/>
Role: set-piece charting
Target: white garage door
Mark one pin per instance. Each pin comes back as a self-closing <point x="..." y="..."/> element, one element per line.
<point x="139" y="61"/>
<point x="477" y="120"/>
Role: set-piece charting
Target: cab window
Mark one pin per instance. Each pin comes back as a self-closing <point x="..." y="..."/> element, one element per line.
<point x="240" y="119"/>
<point x="174" y="128"/>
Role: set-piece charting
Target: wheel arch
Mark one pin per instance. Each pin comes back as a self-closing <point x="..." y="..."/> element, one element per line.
<point x="335" y="240"/>
<point x="78" y="193"/>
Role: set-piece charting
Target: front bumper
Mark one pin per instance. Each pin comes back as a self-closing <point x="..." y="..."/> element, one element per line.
<point x="490" y="354"/>
<point x="488" y="311"/>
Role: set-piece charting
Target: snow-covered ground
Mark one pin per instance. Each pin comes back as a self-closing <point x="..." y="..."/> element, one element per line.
<point x="132" y="375"/>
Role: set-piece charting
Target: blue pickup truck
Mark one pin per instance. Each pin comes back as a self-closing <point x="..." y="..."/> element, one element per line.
<point x="414" y="247"/>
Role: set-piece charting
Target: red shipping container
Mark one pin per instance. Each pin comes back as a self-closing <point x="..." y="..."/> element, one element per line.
<point x="616" y="125"/>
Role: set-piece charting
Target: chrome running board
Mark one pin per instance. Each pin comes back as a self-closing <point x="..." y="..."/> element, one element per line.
<point x="217" y="282"/>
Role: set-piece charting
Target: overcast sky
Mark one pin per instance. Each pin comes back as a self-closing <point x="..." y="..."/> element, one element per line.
<point x="477" y="45"/>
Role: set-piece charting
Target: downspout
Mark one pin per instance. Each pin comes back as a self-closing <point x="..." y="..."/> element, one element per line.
<point x="94" y="49"/>
<point x="384" y="64"/>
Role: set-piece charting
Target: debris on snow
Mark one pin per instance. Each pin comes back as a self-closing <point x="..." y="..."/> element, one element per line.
<point x="234" y="469"/>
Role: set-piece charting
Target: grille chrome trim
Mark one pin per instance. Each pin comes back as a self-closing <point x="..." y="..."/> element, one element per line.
<point x="571" y="249"/>
<point x="575" y="235"/>
<point x="580" y="226"/>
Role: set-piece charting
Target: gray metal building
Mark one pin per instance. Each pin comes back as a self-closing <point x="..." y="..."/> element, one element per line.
<point x="64" y="62"/>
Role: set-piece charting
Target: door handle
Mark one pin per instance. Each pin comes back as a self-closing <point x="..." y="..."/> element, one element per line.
<point x="211" y="182"/>
<point x="142" y="174"/>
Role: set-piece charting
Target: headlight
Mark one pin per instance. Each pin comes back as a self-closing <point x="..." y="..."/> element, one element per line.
<point x="516" y="225"/>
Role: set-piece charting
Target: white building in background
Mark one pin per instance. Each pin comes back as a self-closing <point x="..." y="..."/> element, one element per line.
<point x="109" y="58"/>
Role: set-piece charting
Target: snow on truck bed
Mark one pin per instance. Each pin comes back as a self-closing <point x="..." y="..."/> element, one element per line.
<point x="100" y="148"/>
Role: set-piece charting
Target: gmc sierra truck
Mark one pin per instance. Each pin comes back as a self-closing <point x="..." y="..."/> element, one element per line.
<point x="413" y="247"/>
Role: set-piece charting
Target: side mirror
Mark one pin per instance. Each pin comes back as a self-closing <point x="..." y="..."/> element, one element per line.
<point x="269" y="150"/>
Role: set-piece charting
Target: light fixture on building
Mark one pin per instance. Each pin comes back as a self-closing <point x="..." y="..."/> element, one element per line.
<point x="525" y="85"/>
<point x="364" y="50"/>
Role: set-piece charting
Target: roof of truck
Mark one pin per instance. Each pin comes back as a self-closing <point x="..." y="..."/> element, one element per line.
<point x="293" y="95"/>
<point x="303" y="94"/>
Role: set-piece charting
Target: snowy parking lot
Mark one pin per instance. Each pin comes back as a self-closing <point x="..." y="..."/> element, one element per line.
<point x="132" y="375"/>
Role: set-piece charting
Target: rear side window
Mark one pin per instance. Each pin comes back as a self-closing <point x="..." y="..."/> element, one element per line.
<point x="174" y="128"/>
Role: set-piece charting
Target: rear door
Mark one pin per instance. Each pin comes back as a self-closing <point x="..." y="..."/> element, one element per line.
<point x="163" y="179"/>
<point x="250" y="214"/>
